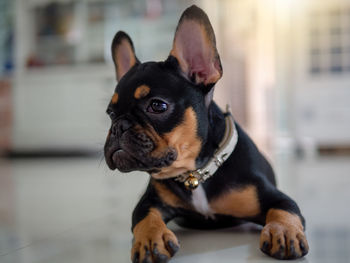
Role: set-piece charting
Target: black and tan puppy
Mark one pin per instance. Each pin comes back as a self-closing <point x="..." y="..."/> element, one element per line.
<point x="205" y="171"/>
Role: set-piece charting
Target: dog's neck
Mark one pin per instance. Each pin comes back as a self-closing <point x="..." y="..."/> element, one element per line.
<point x="216" y="133"/>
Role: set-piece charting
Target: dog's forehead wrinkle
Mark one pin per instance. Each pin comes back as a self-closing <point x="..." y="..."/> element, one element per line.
<point x="159" y="77"/>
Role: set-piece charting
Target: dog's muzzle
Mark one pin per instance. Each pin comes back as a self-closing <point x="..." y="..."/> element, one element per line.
<point x="128" y="150"/>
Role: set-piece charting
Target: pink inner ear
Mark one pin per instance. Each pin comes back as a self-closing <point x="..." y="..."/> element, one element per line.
<point x="196" y="53"/>
<point x="125" y="58"/>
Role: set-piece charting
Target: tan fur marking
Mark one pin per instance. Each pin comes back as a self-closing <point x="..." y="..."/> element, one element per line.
<point x="284" y="217"/>
<point x="108" y="134"/>
<point x="141" y="91"/>
<point x="152" y="232"/>
<point x="115" y="98"/>
<point x="185" y="141"/>
<point x="152" y="222"/>
<point x="168" y="197"/>
<point x="237" y="202"/>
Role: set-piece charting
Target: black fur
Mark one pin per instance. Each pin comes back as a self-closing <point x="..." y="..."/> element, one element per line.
<point x="246" y="166"/>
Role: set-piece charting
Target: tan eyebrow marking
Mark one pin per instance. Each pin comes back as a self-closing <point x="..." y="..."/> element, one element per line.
<point x="141" y="91"/>
<point x="115" y="98"/>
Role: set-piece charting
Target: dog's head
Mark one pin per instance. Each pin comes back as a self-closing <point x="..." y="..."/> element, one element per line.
<point x="159" y="110"/>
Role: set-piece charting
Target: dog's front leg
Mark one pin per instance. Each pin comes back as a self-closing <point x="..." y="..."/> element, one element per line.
<point x="153" y="241"/>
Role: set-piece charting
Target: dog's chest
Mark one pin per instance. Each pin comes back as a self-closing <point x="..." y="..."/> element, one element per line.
<point x="200" y="202"/>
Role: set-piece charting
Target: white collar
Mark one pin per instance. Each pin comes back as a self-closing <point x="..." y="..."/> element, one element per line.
<point x="192" y="179"/>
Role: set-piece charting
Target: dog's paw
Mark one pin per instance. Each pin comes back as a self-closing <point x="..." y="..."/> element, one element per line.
<point x="154" y="246"/>
<point x="283" y="241"/>
<point x="153" y="241"/>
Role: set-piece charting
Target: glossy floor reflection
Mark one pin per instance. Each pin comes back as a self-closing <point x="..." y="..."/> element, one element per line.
<point x="76" y="210"/>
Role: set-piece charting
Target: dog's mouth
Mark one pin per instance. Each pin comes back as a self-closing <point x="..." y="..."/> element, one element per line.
<point x="123" y="160"/>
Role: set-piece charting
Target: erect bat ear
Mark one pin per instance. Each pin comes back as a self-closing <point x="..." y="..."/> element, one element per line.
<point x="194" y="47"/>
<point x="123" y="54"/>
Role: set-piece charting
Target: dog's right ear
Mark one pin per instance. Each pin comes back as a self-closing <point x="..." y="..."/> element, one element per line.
<point x="123" y="54"/>
<point x="194" y="47"/>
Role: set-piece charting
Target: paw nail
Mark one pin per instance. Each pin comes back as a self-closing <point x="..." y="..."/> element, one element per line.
<point x="147" y="260"/>
<point x="173" y="248"/>
<point x="161" y="259"/>
<point x="303" y="248"/>
<point x="136" y="257"/>
<point x="265" y="246"/>
<point x="278" y="255"/>
<point x="292" y="252"/>
<point x="155" y="250"/>
<point x="148" y="253"/>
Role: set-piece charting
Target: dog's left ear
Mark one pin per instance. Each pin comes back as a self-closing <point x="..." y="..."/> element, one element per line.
<point x="194" y="47"/>
<point x="123" y="54"/>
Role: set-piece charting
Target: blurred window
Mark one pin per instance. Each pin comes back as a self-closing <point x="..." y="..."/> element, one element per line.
<point x="329" y="35"/>
<point x="80" y="32"/>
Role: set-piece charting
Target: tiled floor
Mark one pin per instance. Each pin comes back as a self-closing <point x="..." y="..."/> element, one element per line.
<point x="75" y="210"/>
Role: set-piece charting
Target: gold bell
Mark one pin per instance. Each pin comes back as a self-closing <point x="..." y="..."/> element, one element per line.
<point x="191" y="182"/>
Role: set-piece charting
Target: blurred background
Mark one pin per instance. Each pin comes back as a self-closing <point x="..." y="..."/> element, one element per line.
<point x="286" y="64"/>
<point x="286" y="76"/>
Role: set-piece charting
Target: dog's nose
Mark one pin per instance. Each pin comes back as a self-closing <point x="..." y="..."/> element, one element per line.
<point x="121" y="126"/>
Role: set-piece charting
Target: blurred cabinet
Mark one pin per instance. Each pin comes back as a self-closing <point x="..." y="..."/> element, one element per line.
<point x="60" y="109"/>
<point x="62" y="83"/>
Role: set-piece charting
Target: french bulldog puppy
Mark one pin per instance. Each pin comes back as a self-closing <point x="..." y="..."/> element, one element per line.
<point x="205" y="172"/>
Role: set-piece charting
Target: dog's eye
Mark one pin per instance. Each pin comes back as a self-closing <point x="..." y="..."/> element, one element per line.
<point x="111" y="114"/>
<point x="157" y="106"/>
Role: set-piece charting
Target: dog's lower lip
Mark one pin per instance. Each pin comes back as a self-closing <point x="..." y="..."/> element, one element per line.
<point x="126" y="154"/>
<point x="119" y="151"/>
